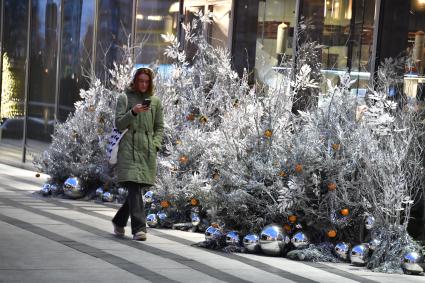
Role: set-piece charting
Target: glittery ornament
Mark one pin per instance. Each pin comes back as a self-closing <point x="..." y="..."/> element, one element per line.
<point x="331" y="233"/>
<point x="331" y="186"/>
<point x="298" y="168"/>
<point x="184" y="159"/>
<point x="292" y="218"/>
<point x="268" y="133"/>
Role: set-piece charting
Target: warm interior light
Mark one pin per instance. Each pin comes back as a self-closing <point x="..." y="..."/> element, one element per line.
<point x="155" y="18"/>
<point x="349" y="11"/>
<point x="139" y="16"/>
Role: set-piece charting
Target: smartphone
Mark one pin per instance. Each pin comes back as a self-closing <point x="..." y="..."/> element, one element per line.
<point x="146" y="102"/>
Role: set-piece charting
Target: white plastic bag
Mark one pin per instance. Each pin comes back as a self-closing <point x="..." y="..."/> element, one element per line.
<point x="113" y="145"/>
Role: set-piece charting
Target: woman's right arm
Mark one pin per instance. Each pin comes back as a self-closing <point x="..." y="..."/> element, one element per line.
<point x="123" y="115"/>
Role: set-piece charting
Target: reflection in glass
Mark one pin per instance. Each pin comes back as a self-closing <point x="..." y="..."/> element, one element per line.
<point x="275" y="31"/>
<point x="154" y="18"/>
<point x="345" y="28"/>
<point x="76" y="52"/>
<point x="113" y="31"/>
<point x="414" y="81"/>
<point x="43" y="53"/>
<point x="13" y="78"/>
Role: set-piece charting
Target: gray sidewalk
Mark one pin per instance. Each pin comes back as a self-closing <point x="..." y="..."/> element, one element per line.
<point x="57" y="240"/>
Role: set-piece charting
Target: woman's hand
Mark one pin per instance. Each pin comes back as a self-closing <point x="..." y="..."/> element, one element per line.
<point x="140" y="108"/>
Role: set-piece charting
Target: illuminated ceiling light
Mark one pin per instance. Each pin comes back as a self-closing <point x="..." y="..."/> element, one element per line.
<point x="155" y="18"/>
<point x="139" y="17"/>
<point x="421" y="2"/>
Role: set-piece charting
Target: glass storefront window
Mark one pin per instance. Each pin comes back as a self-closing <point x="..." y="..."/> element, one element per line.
<point x="154" y="18"/>
<point x="275" y="31"/>
<point x="76" y="52"/>
<point x="414" y="79"/>
<point x="42" y="77"/>
<point x="14" y="43"/>
<point x="114" y="27"/>
<point x="345" y="29"/>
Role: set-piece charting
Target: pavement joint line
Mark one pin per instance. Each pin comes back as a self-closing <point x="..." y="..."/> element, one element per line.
<point x="91" y="251"/>
<point x="203" y="268"/>
<point x="252" y="262"/>
<point x="255" y="263"/>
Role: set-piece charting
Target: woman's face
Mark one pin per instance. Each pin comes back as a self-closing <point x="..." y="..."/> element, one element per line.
<point x="142" y="82"/>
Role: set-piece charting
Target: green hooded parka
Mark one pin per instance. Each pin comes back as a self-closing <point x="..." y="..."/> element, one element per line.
<point x="138" y="147"/>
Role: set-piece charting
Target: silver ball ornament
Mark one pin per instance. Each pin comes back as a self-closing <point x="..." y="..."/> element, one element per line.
<point x="300" y="240"/>
<point x="46" y="190"/>
<point x="107" y="197"/>
<point x="99" y="192"/>
<point x="273" y="239"/>
<point x="148" y="197"/>
<point x="251" y="242"/>
<point x="212" y="233"/>
<point x="412" y="257"/>
<point x="54" y="188"/>
<point x="72" y="188"/>
<point x="152" y="220"/>
<point x="195" y="219"/>
<point x="232" y="238"/>
<point x="122" y="192"/>
<point x="162" y="217"/>
<point x="359" y="254"/>
<point x="341" y="250"/>
<point x="374" y="244"/>
<point x="369" y="222"/>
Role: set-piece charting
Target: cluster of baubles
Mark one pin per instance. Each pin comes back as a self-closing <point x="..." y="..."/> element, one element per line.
<point x="72" y="188"/>
<point x="108" y="196"/>
<point x="272" y="240"/>
<point x="159" y="213"/>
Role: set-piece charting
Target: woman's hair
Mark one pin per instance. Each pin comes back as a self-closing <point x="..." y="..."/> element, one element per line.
<point x="146" y="71"/>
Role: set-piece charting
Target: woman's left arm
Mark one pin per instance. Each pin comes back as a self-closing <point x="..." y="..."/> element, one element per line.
<point x="158" y="126"/>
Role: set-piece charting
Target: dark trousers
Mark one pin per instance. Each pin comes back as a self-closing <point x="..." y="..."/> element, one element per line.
<point x="133" y="207"/>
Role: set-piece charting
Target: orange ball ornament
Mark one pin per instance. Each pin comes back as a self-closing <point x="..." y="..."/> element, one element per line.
<point x="331" y="186"/>
<point x="282" y="174"/>
<point x="292" y="218"/>
<point x="268" y="133"/>
<point x="298" y="168"/>
<point x="345" y="211"/>
<point x="184" y="159"/>
<point x="194" y="202"/>
<point x="336" y="146"/>
<point x="331" y="233"/>
<point x="165" y="204"/>
<point x="190" y="117"/>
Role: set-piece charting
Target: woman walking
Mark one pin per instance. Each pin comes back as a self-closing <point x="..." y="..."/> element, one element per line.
<point x="141" y="113"/>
